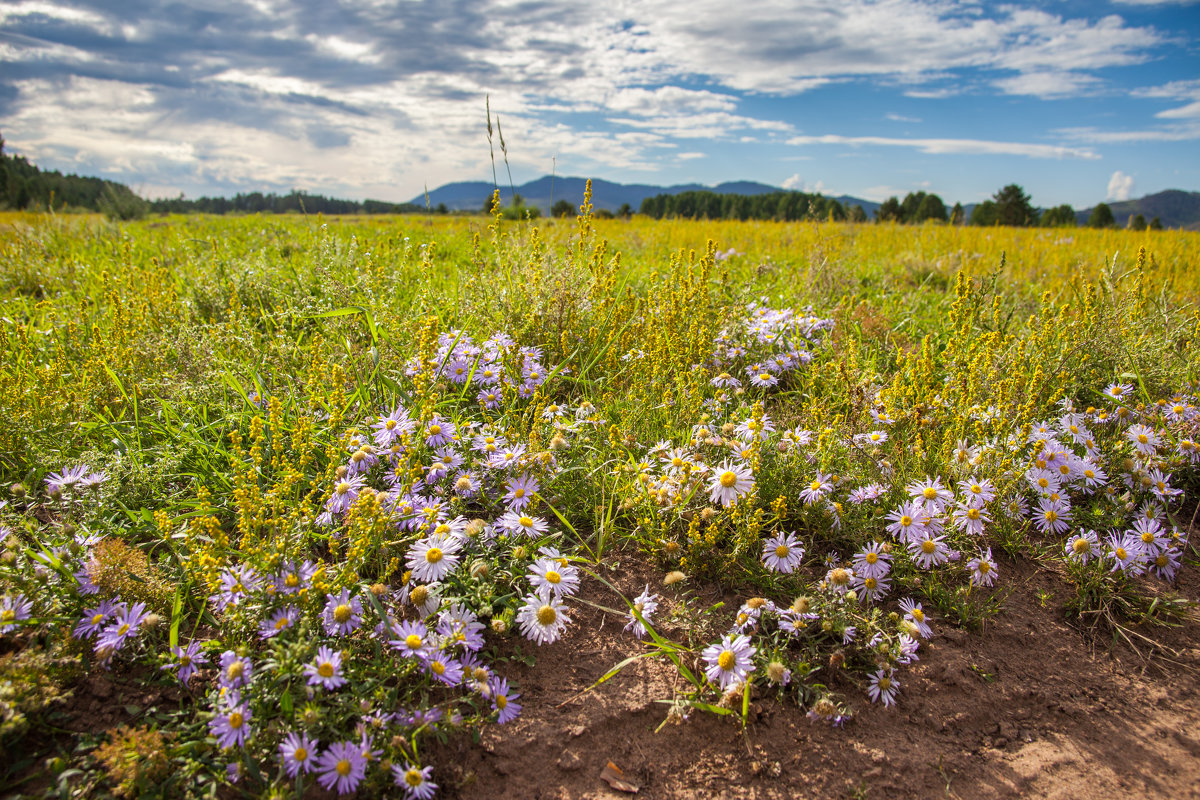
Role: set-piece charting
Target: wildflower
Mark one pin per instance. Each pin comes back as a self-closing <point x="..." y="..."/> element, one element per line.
<point x="326" y="669"/>
<point x="231" y="726"/>
<point x="93" y="619"/>
<point x="393" y="427"/>
<point x="884" y="687"/>
<point x="751" y="428"/>
<point x="439" y="431"/>
<point x="343" y="614"/>
<point x="908" y="522"/>
<point x="872" y="438"/>
<point x="866" y="493"/>
<point x="1052" y="516"/>
<point x="1093" y="476"/>
<point x="412" y="640"/>
<point x="778" y="674"/>
<point x="983" y="569"/>
<point x="187" y="661"/>
<point x="1127" y="553"/>
<point x="931" y="492"/>
<point x="929" y="551"/>
<point x="873" y="561"/>
<point x="297" y="753"/>
<point x="725" y="381"/>
<point x="978" y="492"/>
<point x="763" y="380"/>
<point x="520" y="491"/>
<point x="550" y="577"/>
<point x="970" y="519"/>
<point x="341" y="767"/>
<point x="235" y="670"/>
<point x="58" y="482"/>
<point x="517" y="523"/>
<point x="278" y="622"/>
<point x="730" y="661"/>
<point x="433" y="558"/>
<point x="1083" y="547"/>
<point x="872" y="588"/>
<point x="1118" y="391"/>
<point x="782" y="553"/>
<point x="124" y="626"/>
<point x="292" y="579"/>
<point x="503" y="700"/>
<point x="817" y="489"/>
<point x="541" y="620"/>
<point x="236" y="584"/>
<point x="345" y="492"/>
<point x="1144" y="440"/>
<point x="14" y="609"/>
<point x="444" y="669"/>
<point x="415" y="781"/>
<point x="916" y="615"/>
<point x="839" y="579"/>
<point x="1165" y="563"/>
<point x="645" y="604"/>
<point x="730" y="481"/>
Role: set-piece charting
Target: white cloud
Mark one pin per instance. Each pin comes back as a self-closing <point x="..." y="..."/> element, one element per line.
<point x="691" y="156"/>
<point x="1047" y="85"/>
<point x="1120" y="186"/>
<point x="1176" y="132"/>
<point x="952" y="146"/>
<point x="797" y="184"/>
<point x="901" y="118"/>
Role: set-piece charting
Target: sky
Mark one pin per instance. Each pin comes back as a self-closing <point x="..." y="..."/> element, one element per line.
<point x="1076" y="101"/>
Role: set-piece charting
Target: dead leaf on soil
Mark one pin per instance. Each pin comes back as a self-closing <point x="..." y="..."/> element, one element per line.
<point x="614" y="777"/>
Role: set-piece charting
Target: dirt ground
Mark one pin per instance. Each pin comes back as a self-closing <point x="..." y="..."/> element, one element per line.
<point x="1033" y="708"/>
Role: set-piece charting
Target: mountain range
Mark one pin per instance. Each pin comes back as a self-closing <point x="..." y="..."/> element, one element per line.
<point x="546" y="191"/>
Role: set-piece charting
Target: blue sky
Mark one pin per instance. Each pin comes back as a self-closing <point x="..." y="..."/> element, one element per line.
<point x="1076" y="101"/>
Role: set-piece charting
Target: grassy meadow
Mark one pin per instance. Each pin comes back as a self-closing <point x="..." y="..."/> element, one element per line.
<point x="313" y="481"/>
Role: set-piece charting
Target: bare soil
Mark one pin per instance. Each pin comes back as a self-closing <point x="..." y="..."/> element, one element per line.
<point x="1030" y="708"/>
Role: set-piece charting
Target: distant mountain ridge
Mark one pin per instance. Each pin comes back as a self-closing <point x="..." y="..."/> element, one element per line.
<point x="545" y="191"/>
<point x="1173" y="207"/>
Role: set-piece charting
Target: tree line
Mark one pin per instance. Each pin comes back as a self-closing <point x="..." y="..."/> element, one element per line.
<point x="23" y="186"/>
<point x="784" y="206"/>
<point x="293" y="202"/>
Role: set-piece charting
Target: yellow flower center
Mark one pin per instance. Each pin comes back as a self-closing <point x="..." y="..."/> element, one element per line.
<point x="875" y="437"/>
<point x="433" y="555"/>
<point x="501" y="702"/>
<point x="438" y="668"/>
<point x="918" y="615"/>
<point x="984" y="568"/>
<point x="1122" y="554"/>
<point x="928" y="546"/>
<point x="871" y="557"/>
<point x="870" y="583"/>
<point x="1088" y="473"/>
<point x="413" y="778"/>
<point x="235" y="670"/>
<point x="525" y="522"/>
<point x="343" y="767"/>
<point x="884" y="684"/>
<point x="96" y="618"/>
<point x="929" y="492"/>
<point x="546" y="615"/>
<point x="726" y="660"/>
<point x="728" y="479"/>
<point x="342" y="614"/>
<point x="434" y="430"/>
<point x="343" y="487"/>
<point x="281" y="623"/>
<point x="782" y="551"/>
<point x="300" y="754"/>
<point x="906" y="520"/>
<point x="815" y="486"/>
<point x="1051" y="515"/>
<point x="1147" y="537"/>
<point x="325" y="670"/>
<point x="1081" y="545"/>
<point x="553" y="577"/>
<point x="413" y="641"/>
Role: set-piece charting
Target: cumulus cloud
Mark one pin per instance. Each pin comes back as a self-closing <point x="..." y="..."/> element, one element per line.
<point x="1120" y="186"/>
<point x="378" y="98"/>
<point x="796" y="183"/>
<point x="953" y="146"/>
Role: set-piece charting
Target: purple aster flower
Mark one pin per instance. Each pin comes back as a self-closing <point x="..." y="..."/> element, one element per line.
<point x="124" y="627"/>
<point x="231" y="726"/>
<point x="343" y="614"/>
<point x="278" y="622"/>
<point x="93" y="619"/>
<point x="187" y="661"/>
<point x="291" y="579"/>
<point x="645" y="604"/>
<point x="415" y="781"/>
<point x="59" y="482"/>
<point x="983" y="569"/>
<point x="236" y="584"/>
<point x="884" y="687"/>
<point x="297" y="754"/>
<point x="84" y="576"/>
<point x="326" y="669"/>
<point x="503" y="700"/>
<point x="439" y="431"/>
<point x="412" y="640"/>
<point x="520" y="491"/>
<point x="13" y="609"/>
<point x="730" y="661"/>
<point x="341" y="767"/>
<point x="444" y="669"/>
<point x="345" y="492"/>
<point x="782" y="553"/>
<point x="235" y="670"/>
